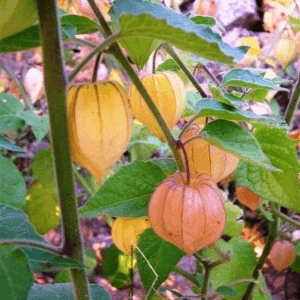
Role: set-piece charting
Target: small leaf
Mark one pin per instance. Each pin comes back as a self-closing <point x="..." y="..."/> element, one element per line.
<point x="168" y="65"/>
<point x="227" y="291"/>
<point x="233" y="226"/>
<point x="233" y="138"/>
<point x="13" y="189"/>
<point x="62" y="291"/>
<point x="15" y="275"/>
<point x="246" y="78"/>
<point x="162" y="256"/>
<point x="204" y="20"/>
<point x="213" y="108"/>
<point x="42" y="208"/>
<point x="82" y="24"/>
<point x="7" y="144"/>
<point x="127" y="192"/>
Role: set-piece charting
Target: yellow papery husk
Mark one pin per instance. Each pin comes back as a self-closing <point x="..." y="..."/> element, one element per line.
<point x="285" y="51"/>
<point x="206" y="158"/>
<point x="100" y="121"/>
<point x="168" y="93"/>
<point x="125" y="232"/>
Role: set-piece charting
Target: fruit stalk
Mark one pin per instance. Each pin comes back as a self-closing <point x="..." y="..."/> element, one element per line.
<point x="55" y="85"/>
<point x="293" y="104"/>
<point x="271" y="238"/>
<point x="136" y="81"/>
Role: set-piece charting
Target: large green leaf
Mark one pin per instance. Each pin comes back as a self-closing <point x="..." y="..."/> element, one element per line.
<point x="10" y="123"/>
<point x="7" y="144"/>
<point x="63" y="291"/>
<point x="280" y="187"/>
<point x="213" y="108"/>
<point x="127" y="192"/>
<point x="10" y="105"/>
<point x="144" y="23"/>
<point x="12" y="184"/>
<point x="14" y="224"/>
<point x="15" y="275"/>
<point x="233" y="225"/>
<point x="245" y="78"/>
<point x="160" y="255"/>
<point x="240" y="266"/>
<point x="82" y="24"/>
<point x="42" y="208"/>
<point x="234" y="138"/>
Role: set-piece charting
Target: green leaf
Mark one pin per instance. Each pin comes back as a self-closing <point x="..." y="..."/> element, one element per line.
<point x="280" y="187"/>
<point x="261" y="292"/>
<point x="10" y="105"/>
<point x="233" y="226"/>
<point x="143" y="24"/>
<point x="240" y="266"/>
<point x="15" y="275"/>
<point x="190" y="108"/>
<point x="62" y="291"/>
<point x="234" y="138"/>
<point x="43" y="168"/>
<point x="82" y="24"/>
<point x="10" y="123"/>
<point x="126" y="193"/>
<point x="42" y="208"/>
<point x="245" y="78"/>
<point x="204" y="20"/>
<point x="227" y="291"/>
<point x="40" y="125"/>
<point x="296" y="265"/>
<point x="167" y="164"/>
<point x="117" y="267"/>
<point x="27" y="39"/>
<point x="168" y="65"/>
<point x="213" y="108"/>
<point x="14" y="224"/>
<point x="7" y="144"/>
<point x="13" y="189"/>
<point x="144" y="148"/>
<point x="162" y="256"/>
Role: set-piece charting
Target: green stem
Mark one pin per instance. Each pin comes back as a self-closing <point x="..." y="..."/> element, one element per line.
<point x="18" y="83"/>
<point x="187" y="275"/>
<point x="94" y="52"/>
<point x="81" y="43"/>
<point x="84" y="184"/>
<point x="190" y="76"/>
<point x="285" y="218"/>
<point x="32" y="244"/>
<point x="271" y="238"/>
<point x="187" y="125"/>
<point x="205" y="283"/>
<point x="293" y="105"/>
<point x="55" y="85"/>
<point x="136" y="81"/>
<point x="211" y="75"/>
<point x="96" y="67"/>
<point x="154" y="58"/>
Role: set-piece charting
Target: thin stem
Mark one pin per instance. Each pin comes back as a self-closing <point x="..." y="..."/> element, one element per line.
<point x="187" y="125"/>
<point x="190" y="76"/>
<point x="55" y="85"/>
<point x="211" y="75"/>
<point x="196" y="137"/>
<point x="285" y="218"/>
<point x="289" y="115"/>
<point x="205" y="282"/>
<point x="136" y="81"/>
<point x="96" y="67"/>
<point x="18" y="83"/>
<point x="187" y="167"/>
<point x="95" y="51"/>
<point x="201" y="260"/>
<point x="187" y="275"/>
<point x="83" y="183"/>
<point x="32" y="244"/>
<point x="154" y="58"/>
<point x="271" y="238"/>
<point x="81" y="42"/>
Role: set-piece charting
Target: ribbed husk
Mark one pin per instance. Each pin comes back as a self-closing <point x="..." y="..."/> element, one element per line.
<point x="168" y="93"/>
<point x="282" y="255"/>
<point x="248" y="198"/>
<point x="100" y="122"/>
<point x="188" y="216"/>
<point x="126" y="231"/>
<point x="208" y="159"/>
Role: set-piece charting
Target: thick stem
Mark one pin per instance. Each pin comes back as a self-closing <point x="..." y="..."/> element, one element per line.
<point x="190" y="76"/>
<point x="293" y="104"/>
<point x="32" y="244"/>
<point x="187" y="275"/>
<point x="205" y="283"/>
<point x="55" y="85"/>
<point x="136" y="81"/>
<point x="271" y="238"/>
<point x="94" y="52"/>
<point x="18" y="83"/>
